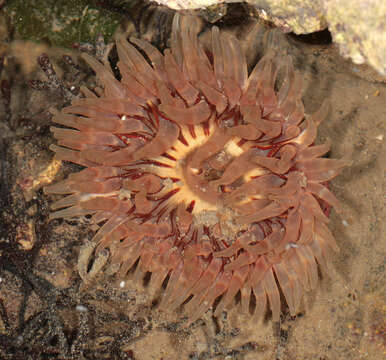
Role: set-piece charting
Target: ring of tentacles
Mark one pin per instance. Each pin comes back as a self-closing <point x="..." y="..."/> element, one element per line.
<point x="200" y="174"/>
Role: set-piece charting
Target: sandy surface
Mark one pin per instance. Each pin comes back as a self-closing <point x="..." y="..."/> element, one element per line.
<point x="45" y="309"/>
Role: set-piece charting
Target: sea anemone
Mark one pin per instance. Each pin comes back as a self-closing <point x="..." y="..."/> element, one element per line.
<point x="200" y="176"/>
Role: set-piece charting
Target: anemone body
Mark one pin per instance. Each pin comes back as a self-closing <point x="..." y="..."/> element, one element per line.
<point x="201" y="174"/>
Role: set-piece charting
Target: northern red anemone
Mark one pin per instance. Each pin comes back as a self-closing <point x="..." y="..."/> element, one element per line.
<point x="200" y="174"/>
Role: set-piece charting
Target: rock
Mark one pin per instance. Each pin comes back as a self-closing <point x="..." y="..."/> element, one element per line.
<point x="359" y="29"/>
<point x="298" y="16"/>
<point x="189" y="4"/>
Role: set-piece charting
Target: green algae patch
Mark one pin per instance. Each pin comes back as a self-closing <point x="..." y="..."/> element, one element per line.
<point x="61" y="22"/>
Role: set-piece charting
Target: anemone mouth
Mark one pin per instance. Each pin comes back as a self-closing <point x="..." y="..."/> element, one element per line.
<point x="201" y="174"/>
